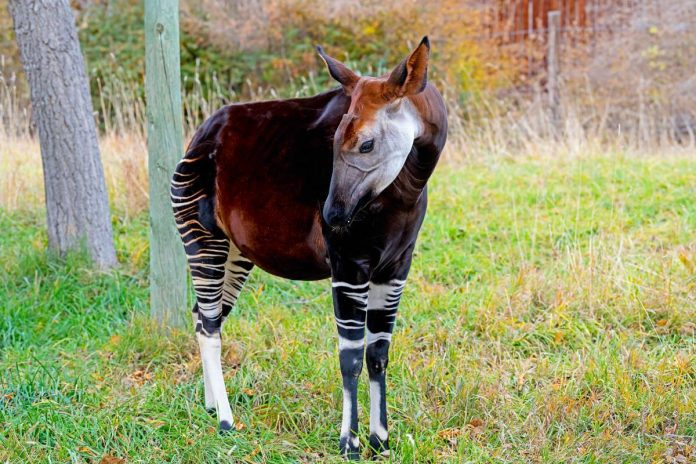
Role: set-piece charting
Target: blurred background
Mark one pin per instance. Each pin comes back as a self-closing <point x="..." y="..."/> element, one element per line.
<point x="622" y="73"/>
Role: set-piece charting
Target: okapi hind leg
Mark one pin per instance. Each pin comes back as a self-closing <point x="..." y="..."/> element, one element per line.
<point x="237" y="271"/>
<point x="209" y="400"/>
<point x="207" y="256"/>
<point x="208" y="251"/>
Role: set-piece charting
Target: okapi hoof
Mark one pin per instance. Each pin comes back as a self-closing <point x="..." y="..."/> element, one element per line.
<point x="379" y="449"/>
<point x="350" y="448"/>
<point x="225" y="427"/>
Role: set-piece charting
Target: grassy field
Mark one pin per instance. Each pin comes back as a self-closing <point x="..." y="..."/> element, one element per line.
<point x="550" y="317"/>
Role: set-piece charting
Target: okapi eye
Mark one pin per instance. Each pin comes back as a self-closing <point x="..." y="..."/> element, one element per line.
<point x="367" y="147"/>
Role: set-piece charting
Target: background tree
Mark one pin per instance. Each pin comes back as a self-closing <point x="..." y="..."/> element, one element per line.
<point x="77" y="206"/>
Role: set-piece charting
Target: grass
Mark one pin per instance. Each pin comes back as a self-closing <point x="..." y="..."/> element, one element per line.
<point x="550" y="317"/>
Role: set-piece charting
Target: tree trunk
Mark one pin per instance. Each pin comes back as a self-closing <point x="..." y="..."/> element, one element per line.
<point x="77" y="206"/>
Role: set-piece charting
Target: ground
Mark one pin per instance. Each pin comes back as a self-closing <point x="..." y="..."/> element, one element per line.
<point x="550" y="316"/>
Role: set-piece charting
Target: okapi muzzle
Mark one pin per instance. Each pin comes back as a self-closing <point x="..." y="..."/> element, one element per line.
<point x="351" y="186"/>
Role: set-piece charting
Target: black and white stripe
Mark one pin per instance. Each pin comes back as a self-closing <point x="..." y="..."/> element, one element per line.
<point x="360" y="306"/>
<point x="350" y="311"/>
<point x="382" y="307"/>
<point x="218" y="273"/>
<point x="383" y="304"/>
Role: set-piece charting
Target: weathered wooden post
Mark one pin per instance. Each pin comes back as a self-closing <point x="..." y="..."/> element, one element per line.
<point x="552" y="69"/>
<point x="168" y="282"/>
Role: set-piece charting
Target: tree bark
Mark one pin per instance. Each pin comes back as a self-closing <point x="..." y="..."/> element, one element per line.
<point x="77" y="206"/>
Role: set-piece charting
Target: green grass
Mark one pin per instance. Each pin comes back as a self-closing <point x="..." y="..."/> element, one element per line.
<point x="550" y="317"/>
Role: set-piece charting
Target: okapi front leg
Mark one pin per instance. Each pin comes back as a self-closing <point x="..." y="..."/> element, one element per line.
<point x="383" y="303"/>
<point x="350" y="306"/>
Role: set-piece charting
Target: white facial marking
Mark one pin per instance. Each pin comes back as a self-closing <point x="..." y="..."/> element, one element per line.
<point x="376" y="426"/>
<point x="394" y="130"/>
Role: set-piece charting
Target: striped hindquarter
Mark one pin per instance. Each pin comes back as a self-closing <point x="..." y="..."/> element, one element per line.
<point x="218" y="272"/>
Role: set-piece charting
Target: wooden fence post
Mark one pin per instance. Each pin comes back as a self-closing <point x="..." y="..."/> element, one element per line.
<point x="552" y="68"/>
<point x="168" y="278"/>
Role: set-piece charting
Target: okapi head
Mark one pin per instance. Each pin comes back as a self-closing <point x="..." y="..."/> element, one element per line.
<point x="376" y="135"/>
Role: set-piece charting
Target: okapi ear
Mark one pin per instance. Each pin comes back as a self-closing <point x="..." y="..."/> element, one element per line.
<point x="411" y="75"/>
<point x="339" y="71"/>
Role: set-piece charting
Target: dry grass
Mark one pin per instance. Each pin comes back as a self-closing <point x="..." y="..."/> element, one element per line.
<point x="490" y="135"/>
<point x="124" y="157"/>
<point x="637" y="102"/>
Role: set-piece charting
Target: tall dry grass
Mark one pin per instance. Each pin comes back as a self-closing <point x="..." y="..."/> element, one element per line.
<point x="482" y="130"/>
<point x="641" y="100"/>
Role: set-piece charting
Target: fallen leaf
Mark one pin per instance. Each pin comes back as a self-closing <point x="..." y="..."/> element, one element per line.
<point x="85" y="449"/>
<point x="139" y="377"/>
<point x="475" y="422"/>
<point x="449" y="434"/>
<point x="108" y="459"/>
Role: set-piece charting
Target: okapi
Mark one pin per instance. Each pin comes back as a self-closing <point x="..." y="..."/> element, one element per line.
<point x="332" y="185"/>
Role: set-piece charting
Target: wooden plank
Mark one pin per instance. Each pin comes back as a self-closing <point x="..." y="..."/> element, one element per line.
<point x="168" y="277"/>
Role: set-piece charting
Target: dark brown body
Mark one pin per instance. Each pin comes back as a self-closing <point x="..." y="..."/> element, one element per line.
<point x="269" y="187"/>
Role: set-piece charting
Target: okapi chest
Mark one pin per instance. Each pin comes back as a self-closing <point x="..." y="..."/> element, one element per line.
<point x="328" y="186"/>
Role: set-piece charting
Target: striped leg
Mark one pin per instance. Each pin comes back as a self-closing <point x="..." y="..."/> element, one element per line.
<point x="237" y="270"/>
<point x="209" y="326"/>
<point x="383" y="303"/>
<point x="350" y="305"/>
<point x="218" y="272"/>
